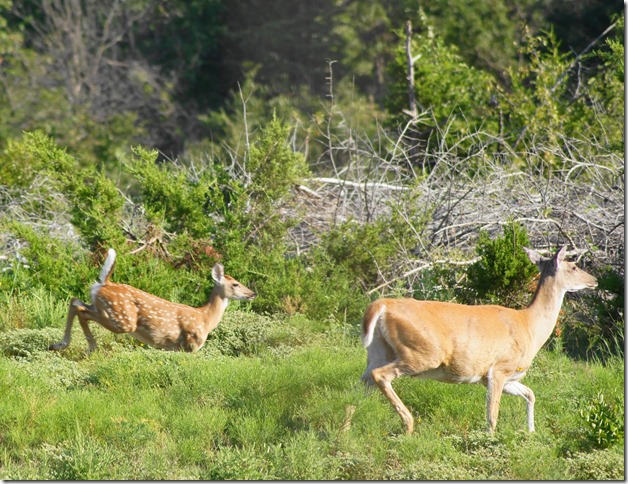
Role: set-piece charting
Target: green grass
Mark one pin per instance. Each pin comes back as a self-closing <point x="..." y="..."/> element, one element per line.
<point x="278" y="399"/>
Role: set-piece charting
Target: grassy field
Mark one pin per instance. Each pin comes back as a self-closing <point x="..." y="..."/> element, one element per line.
<point x="281" y="399"/>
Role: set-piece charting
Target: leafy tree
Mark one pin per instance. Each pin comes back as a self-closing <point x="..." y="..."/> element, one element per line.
<point x="548" y="98"/>
<point x="185" y="38"/>
<point x="606" y="92"/>
<point x="446" y="89"/>
<point x="273" y="166"/>
<point x="484" y="44"/>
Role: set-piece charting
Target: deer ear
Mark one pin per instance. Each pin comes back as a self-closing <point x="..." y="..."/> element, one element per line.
<point x="534" y="256"/>
<point x="560" y="256"/>
<point x="218" y="272"/>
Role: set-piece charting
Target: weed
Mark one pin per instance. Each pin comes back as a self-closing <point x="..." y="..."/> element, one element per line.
<point x="599" y="465"/>
<point x="24" y="343"/>
<point x="604" y="422"/>
<point x="241" y="334"/>
<point x="77" y="460"/>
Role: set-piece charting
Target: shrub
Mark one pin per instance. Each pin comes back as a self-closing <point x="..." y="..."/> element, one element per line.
<point x="273" y="166"/>
<point x="183" y="199"/>
<point x="60" y="267"/>
<point x="598" y="329"/>
<point x="600" y="465"/>
<point x="604" y="422"/>
<point x="34" y="153"/>
<point x="240" y="334"/>
<point x="362" y="249"/>
<point x="96" y="209"/>
<point x="24" y="343"/>
<point x="438" y="283"/>
<point x="504" y="268"/>
<point x="93" y="200"/>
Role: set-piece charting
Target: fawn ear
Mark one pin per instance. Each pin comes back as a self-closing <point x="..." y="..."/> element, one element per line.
<point x="218" y="272"/>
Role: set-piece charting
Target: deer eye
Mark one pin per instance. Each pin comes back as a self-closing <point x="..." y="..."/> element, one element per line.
<point x="236" y="285"/>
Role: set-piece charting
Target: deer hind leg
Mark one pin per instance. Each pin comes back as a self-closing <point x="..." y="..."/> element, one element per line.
<point x="383" y="376"/>
<point x="378" y="354"/>
<point x="77" y="309"/>
<point x="520" y="390"/>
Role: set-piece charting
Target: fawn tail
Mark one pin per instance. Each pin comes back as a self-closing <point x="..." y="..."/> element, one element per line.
<point x="107" y="267"/>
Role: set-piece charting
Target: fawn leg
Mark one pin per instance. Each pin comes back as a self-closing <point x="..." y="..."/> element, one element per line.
<point x="84" y="313"/>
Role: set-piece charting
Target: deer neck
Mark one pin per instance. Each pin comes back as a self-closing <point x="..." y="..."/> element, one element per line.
<point x="543" y="311"/>
<point x="214" y="309"/>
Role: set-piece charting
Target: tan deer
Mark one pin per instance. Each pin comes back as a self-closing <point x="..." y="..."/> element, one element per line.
<point x="160" y="323"/>
<point x="458" y="343"/>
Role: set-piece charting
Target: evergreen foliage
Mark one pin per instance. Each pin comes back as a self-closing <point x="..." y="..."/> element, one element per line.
<point x="504" y="268"/>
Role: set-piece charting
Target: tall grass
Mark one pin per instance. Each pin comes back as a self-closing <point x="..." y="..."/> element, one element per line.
<point x="33" y="309"/>
<point x="288" y="407"/>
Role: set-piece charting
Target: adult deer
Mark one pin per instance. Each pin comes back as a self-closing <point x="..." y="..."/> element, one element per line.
<point x="458" y="343"/>
<point x="160" y="323"/>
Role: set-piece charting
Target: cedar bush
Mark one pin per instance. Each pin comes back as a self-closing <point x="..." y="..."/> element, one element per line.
<point x="594" y="328"/>
<point x="504" y="268"/>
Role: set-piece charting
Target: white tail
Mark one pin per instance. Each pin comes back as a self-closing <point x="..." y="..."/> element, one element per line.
<point x="457" y="343"/>
<point x="107" y="267"/>
<point x="163" y="324"/>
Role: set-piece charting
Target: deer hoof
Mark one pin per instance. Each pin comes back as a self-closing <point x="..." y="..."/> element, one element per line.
<point x="58" y="346"/>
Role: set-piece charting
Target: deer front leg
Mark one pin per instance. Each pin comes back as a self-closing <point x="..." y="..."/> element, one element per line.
<point x="520" y="390"/>
<point x="77" y="307"/>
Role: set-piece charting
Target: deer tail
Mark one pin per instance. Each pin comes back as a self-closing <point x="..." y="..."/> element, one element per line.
<point x="372" y="316"/>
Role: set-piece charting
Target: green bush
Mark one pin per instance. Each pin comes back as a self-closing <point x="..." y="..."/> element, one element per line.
<point x="368" y="252"/>
<point x="24" y="343"/>
<point x="273" y="165"/>
<point x="60" y="267"/>
<point x="599" y="465"/>
<point x="438" y="283"/>
<point x="33" y="154"/>
<point x="181" y="199"/>
<point x="594" y="328"/>
<point x="93" y="200"/>
<point x="241" y="334"/>
<point x="361" y="248"/>
<point x="604" y="422"/>
<point x="504" y="269"/>
<point x="96" y="209"/>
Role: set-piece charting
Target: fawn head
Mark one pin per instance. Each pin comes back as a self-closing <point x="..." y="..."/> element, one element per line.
<point x="230" y="288"/>
<point x="568" y="275"/>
